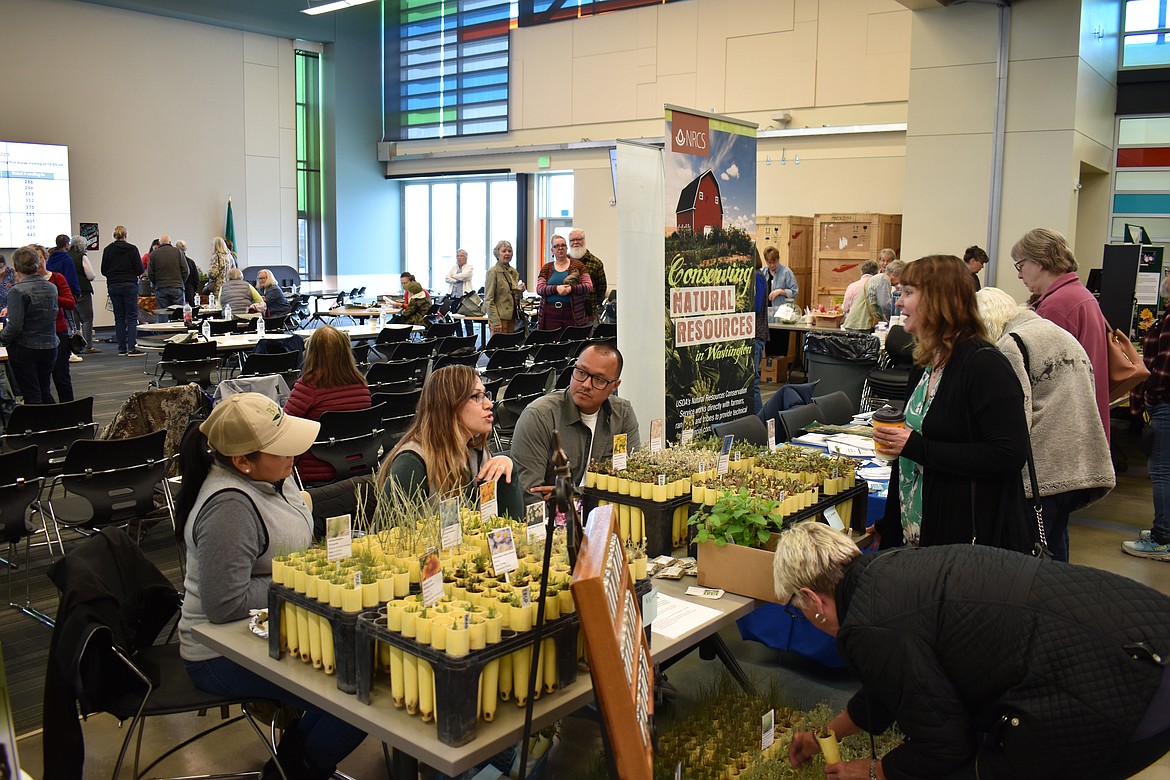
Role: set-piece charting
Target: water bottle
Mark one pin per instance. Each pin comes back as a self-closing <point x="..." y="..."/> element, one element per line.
<point x="260" y="326"/>
<point x="227" y="311"/>
<point x="186" y="314"/>
<point x="211" y="300"/>
<point x="207" y="330"/>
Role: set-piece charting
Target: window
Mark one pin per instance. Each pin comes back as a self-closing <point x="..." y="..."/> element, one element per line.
<point x="1145" y="42"/>
<point x="532" y="12"/>
<point x="446" y="68"/>
<point x="309" y="180"/>
<point x="444" y="215"/>
<point x="1141" y="181"/>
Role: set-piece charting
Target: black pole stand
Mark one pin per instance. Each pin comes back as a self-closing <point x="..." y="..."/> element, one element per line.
<point x="564" y="493"/>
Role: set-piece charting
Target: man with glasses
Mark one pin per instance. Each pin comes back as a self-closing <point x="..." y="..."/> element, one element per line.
<point x="588" y="416"/>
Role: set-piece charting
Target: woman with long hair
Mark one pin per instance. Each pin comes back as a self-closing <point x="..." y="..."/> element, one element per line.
<point x="329" y="382"/>
<point x="275" y="304"/>
<point x="957" y="480"/>
<point x="236" y="511"/>
<point x="222" y="261"/>
<point x="444" y="451"/>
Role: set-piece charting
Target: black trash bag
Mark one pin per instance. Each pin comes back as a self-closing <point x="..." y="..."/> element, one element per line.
<point x="854" y="347"/>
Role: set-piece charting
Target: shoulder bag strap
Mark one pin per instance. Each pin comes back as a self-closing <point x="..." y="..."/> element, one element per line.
<point x="1041" y="548"/>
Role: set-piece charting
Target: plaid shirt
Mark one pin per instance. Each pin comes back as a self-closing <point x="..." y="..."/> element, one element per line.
<point x="1156" y="355"/>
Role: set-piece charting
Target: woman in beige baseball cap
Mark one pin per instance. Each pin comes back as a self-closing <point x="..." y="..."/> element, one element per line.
<point x="237" y="510"/>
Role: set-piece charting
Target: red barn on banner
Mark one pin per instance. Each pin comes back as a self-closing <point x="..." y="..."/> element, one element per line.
<point x="699" y="205"/>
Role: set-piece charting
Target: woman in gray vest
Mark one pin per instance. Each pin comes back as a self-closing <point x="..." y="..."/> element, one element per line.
<point x="237" y="293"/>
<point x="237" y="509"/>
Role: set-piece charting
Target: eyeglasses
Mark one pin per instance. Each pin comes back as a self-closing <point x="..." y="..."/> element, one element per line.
<point x="560" y="246"/>
<point x="1020" y="264"/>
<point x="793" y="610"/>
<point x="479" y="398"/>
<point x="598" y="382"/>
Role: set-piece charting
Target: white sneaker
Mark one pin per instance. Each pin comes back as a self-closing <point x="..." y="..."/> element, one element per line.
<point x="76" y="359"/>
<point x="1146" y="535"/>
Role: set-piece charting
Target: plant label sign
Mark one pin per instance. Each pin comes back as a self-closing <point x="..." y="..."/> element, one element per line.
<point x="430" y="577"/>
<point x="768" y="730"/>
<point x="487" y="501"/>
<point x="833" y="517"/>
<point x="656" y="435"/>
<point x="725" y="454"/>
<point x="452" y="529"/>
<point x="619" y="452"/>
<point x="526" y="596"/>
<point x="537" y="531"/>
<point x="688" y="431"/>
<point x="771" y="433"/>
<point x="502" y="547"/>
<point x="338" y="538"/>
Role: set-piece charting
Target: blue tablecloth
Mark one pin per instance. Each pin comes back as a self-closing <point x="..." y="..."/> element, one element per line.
<point x="772" y="626"/>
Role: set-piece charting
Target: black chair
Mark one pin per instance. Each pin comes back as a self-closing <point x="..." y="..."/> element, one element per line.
<point x="750" y="429"/>
<point x="556" y="354"/>
<point x="795" y="420"/>
<point x="543" y="336"/>
<point x="564" y="378"/>
<point x="836" y="408"/>
<point x="187" y="363"/>
<point x="222" y="327"/>
<point x="269" y="363"/>
<point x="392" y="334"/>
<point x="398" y="411"/>
<point x="118" y="668"/>
<point x="20" y="489"/>
<point x="887" y="382"/>
<point x="521" y="390"/>
<point x="406" y="350"/>
<point x="413" y="371"/>
<point x="52" y="428"/>
<point x="605" y="331"/>
<point x="576" y="332"/>
<point x="116" y="480"/>
<point x="350" y="442"/>
<point x="450" y="344"/>
<point x="505" y="363"/>
<point x="469" y="359"/>
<point x="503" y="341"/>
<point x="439" y="330"/>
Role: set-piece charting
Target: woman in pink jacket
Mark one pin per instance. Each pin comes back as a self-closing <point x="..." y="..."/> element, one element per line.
<point x="1044" y="262"/>
<point x="329" y="382"/>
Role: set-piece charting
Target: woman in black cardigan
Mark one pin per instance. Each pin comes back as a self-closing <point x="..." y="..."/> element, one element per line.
<point x="957" y="480"/>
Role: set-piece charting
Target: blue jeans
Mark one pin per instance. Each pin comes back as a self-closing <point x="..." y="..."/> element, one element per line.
<point x="1159" y="466"/>
<point x="327" y="739"/>
<point x="124" y="297"/>
<point x="757" y="356"/>
<point x="1057" y="508"/>
<point x="164" y="297"/>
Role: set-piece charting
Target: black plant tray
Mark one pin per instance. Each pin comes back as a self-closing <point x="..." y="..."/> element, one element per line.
<point x="456" y="675"/>
<point x="659" y="516"/>
<point x="342" y="624"/>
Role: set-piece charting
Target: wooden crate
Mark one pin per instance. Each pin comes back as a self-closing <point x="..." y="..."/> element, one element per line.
<point x="843" y="243"/>
<point x="793" y="236"/>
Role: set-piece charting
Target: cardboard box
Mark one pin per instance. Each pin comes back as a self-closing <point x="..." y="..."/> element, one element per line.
<point x="746" y="571"/>
<point x="774" y="369"/>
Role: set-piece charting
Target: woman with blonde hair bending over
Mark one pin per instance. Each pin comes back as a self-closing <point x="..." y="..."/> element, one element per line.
<point x="993" y="664"/>
<point x="965" y="438"/>
<point x="329" y="382"/>
<point x="444" y="451"/>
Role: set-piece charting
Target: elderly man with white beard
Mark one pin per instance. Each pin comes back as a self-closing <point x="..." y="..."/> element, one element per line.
<point x="596" y="269"/>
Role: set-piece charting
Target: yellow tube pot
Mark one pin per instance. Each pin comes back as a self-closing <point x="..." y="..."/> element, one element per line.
<point x="458" y="640"/>
<point x="328" y="653"/>
<point x="410" y="678"/>
<point x="536" y="683"/>
<point x="477" y="633"/>
<point x="351" y="600"/>
<point x="566" y="605"/>
<point x="426" y="690"/>
<point x="505" y="678"/>
<point x="549" y="659"/>
<point x="489" y="687"/>
<point x="590" y="479"/>
<point x="303" y="640"/>
<point x="397" y="677"/>
<point x="623" y="522"/>
<point x="829" y="746"/>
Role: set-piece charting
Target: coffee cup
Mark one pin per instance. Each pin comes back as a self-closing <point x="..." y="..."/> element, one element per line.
<point x="888" y="417"/>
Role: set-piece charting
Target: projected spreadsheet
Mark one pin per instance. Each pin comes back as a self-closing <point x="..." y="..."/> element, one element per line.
<point x="34" y="193"/>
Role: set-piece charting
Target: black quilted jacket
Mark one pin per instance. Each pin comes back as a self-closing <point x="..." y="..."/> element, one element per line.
<point x="954" y="642"/>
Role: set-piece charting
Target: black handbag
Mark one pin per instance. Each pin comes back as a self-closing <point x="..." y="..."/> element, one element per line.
<point x="1040" y="548"/>
<point x="77" y="343"/>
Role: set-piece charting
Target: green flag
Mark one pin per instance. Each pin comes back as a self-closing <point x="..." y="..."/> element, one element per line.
<point x="229" y="228"/>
